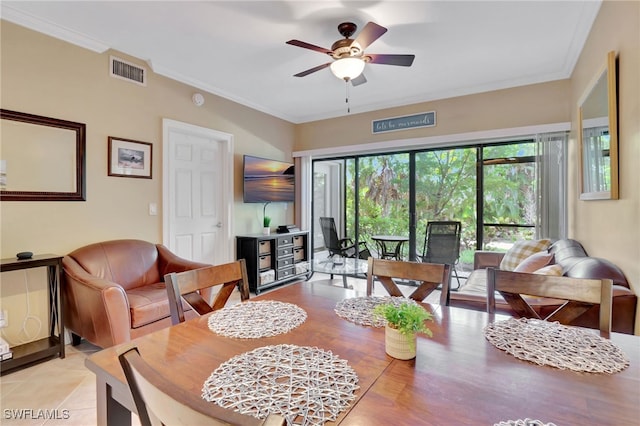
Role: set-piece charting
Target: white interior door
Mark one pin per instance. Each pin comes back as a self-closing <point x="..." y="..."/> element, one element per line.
<point x="197" y="192"/>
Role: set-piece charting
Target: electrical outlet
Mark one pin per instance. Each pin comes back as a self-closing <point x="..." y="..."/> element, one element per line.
<point x="4" y="318"/>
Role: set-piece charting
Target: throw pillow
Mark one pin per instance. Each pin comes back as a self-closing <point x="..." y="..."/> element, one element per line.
<point x="534" y="262"/>
<point x="520" y="251"/>
<point x="550" y="270"/>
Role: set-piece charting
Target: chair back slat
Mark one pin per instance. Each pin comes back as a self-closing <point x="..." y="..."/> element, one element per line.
<point x="580" y="294"/>
<point x="195" y="285"/>
<point x="426" y="276"/>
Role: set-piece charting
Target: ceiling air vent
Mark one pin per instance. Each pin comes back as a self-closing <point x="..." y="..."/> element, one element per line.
<point x="128" y="71"/>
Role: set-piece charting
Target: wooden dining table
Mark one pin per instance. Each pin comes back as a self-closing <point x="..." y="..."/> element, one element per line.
<point x="457" y="378"/>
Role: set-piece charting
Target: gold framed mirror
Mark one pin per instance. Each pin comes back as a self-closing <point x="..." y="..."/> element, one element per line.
<point x="598" y="135"/>
<point x="41" y="159"/>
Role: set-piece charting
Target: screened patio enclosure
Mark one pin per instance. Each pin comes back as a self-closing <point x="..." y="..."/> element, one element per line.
<point x="499" y="191"/>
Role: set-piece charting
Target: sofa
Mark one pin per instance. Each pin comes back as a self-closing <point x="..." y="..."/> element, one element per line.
<point x="574" y="262"/>
<point x="114" y="291"/>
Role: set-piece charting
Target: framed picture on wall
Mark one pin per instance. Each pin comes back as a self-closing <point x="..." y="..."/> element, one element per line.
<point x="129" y="158"/>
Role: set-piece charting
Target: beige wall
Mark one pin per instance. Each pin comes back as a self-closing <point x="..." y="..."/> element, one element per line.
<point x="611" y="228"/>
<point x="522" y="106"/>
<point x="45" y="76"/>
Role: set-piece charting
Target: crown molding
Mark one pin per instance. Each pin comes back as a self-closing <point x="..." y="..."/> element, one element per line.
<point x="54" y="30"/>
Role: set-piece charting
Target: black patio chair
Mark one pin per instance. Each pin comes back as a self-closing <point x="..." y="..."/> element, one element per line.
<point x="442" y="244"/>
<point x="344" y="247"/>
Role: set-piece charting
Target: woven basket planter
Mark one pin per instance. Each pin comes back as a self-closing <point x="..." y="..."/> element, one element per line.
<point x="398" y="345"/>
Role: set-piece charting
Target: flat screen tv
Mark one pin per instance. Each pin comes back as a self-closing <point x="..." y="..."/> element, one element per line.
<point x="267" y="181"/>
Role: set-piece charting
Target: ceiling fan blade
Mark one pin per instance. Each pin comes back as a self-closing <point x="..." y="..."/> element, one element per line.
<point x="370" y="33"/>
<point x="401" y="60"/>
<point x="309" y="46"/>
<point x="361" y="79"/>
<point x="312" y="70"/>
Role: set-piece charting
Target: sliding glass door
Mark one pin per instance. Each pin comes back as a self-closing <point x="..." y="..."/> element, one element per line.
<point x="382" y="200"/>
<point x="492" y="189"/>
<point x="446" y="190"/>
<point x="509" y="194"/>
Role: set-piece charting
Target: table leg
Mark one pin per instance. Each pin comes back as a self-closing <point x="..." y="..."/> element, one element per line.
<point x="344" y="283"/>
<point x="398" y="250"/>
<point x="109" y="411"/>
<point x="55" y="305"/>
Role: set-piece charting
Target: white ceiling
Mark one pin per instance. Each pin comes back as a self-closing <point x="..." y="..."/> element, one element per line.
<point x="236" y="49"/>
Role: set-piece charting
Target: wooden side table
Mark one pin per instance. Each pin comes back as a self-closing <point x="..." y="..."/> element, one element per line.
<point x="42" y="349"/>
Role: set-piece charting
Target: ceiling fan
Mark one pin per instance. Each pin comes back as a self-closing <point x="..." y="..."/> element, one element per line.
<point x="349" y="56"/>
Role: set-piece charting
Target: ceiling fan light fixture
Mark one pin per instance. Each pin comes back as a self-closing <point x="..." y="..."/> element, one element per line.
<point x="347" y="68"/>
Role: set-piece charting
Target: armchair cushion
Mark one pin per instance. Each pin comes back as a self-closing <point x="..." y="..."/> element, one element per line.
<point x="147" y="304"/>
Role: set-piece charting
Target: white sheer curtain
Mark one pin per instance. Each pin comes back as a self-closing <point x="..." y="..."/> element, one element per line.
<point x="303" y="192"/>
<point x="597" y="166"/>
<point x="552" y="185"/>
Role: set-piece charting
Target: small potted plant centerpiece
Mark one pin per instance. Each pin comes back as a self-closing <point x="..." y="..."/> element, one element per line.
<point x="403" y="322"/>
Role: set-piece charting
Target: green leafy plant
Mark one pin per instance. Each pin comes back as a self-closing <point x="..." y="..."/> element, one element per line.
<point x="407" y="318"/>
<point x="266" y="220"/>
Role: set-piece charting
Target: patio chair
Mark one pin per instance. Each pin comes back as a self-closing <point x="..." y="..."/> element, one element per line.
<point x="344" y="247"/>
<point x="442" y="244"/>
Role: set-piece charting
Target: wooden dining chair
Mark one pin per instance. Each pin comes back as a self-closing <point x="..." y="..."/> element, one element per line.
<point x="580" y="295"/>
<point x="428" y="277"/>
<point x="194" y="286"/>
<point x="159" y="401"/>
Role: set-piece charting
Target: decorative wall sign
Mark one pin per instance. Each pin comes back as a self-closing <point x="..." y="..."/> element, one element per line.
<point x="129" y="158"/>
<point x="423" y="119"/>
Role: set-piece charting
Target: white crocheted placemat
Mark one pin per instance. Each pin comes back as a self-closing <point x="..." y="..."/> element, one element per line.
<point x="359" y="310"/>
<point x="253" y="320"/>
<point x="524" y="422"/>
<point x="556" y="345"/>
<point x="306" y="385"/>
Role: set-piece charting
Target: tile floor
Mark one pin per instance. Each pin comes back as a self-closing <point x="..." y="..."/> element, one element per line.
<point x="62" y="391"/>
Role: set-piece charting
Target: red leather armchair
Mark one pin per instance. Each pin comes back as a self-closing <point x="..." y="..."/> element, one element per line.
<point x="114" y="291"/>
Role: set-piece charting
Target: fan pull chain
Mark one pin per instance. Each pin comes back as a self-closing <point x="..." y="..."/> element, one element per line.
<point x="346" y="81"/>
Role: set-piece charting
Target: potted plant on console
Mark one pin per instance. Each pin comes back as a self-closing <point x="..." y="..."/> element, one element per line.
<point x="266" y="222"/>
<point x="404" y="321"/>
